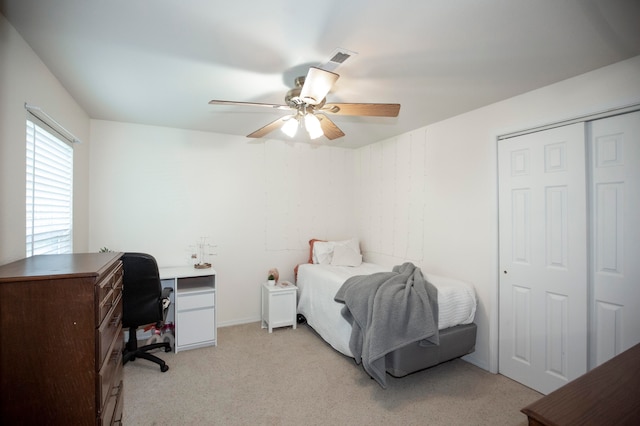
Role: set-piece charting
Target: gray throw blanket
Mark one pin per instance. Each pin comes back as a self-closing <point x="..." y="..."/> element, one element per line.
<point x="388" y="310"/>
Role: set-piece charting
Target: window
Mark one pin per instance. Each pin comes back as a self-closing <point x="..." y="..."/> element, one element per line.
<point x="49" y="199"/>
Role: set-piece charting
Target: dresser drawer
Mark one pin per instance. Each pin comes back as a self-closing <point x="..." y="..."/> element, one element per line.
<point x="112" y="410"/>
<point x="108" y="291"/>
<point x="108" y="331"/>
<point x="110" y="374"/>
<point x="117" y="414"/>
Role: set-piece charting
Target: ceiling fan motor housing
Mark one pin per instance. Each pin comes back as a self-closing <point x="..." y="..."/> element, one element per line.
<point x="293" y="99"/>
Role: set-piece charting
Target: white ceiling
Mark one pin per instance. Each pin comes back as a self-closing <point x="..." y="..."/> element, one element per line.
<point x="159" y="62"/>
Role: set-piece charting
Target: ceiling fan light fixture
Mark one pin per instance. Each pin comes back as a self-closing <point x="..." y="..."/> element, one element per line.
<point x="290" y="127"/>
<point x="308" y="97"/>
<point x="317" y="84"/>
<point x="312" y="124"/>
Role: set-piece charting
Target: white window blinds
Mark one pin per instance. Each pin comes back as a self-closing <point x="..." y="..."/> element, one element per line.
<point x="49" y="199"/>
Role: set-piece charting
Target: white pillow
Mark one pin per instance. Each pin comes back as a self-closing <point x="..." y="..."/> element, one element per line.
<point x="323" y="252"/>
<point x="353" y="244"/>
<point x="345" y="255"/>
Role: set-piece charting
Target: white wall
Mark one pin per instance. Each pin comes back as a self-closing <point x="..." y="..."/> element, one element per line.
<point x="430" y="195"/>
<point x="158" y="190"/>
<point x="24" y="78"/>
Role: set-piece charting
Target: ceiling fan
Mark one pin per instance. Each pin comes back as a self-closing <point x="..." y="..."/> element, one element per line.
<point x="308" y="108"/>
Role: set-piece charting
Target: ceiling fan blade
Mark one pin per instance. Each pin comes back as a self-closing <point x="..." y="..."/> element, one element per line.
<point x="317" y="84"/>
<point x="256" y="104"/>
<point x="276" y="124"/>
<point x="331" y="131"/>
<point x="369" y="110"/>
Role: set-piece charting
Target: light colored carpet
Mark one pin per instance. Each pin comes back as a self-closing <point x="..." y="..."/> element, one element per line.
<point x="292" y="377"/>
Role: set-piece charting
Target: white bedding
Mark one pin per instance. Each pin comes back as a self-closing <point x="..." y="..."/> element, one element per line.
<point x="318" y="284"/>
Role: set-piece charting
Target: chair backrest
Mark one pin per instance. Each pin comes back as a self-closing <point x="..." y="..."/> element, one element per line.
<point x="142" y="289"/>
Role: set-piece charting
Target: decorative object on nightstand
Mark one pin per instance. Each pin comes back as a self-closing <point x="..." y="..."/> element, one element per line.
<point x="274" y="276"/>
<point x="271" y="280"/>
<point x="279" y="305"/>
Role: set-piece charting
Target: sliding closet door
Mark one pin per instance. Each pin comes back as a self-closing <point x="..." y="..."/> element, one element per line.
<point x="543" y="257"/>
<point x="614" y="146"/>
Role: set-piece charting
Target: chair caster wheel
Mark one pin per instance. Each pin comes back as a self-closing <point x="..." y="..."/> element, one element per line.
<point x="167" y="349"/>
<point x="164" y="368"/>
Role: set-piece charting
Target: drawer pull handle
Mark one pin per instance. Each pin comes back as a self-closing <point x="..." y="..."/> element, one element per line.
<point x="115" y="391"/>
<point x="115" y="298"/>
<point x="116" y="319"/>
<point x="115" y="355"/>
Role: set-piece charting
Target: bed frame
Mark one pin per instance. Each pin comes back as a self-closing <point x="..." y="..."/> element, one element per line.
<point x="455" y="342"/>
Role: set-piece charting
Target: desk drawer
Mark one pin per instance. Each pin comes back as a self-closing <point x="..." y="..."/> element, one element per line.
<point x="195" y="326"/>
<point x="188" y="301"/>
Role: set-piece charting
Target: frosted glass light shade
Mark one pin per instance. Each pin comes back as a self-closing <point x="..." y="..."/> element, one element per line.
<point x="290" y="127"/>
<point x="312" y="125"/>
<point x="317" y="84"/>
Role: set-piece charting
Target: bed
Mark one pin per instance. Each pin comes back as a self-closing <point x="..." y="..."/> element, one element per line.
<point x="319" y="280"/>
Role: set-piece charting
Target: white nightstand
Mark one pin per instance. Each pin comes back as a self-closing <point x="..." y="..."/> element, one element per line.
<point x="278" y="306"/>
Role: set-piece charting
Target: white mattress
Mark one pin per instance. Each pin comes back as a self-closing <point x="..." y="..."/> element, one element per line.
<point x="318" y="284"/>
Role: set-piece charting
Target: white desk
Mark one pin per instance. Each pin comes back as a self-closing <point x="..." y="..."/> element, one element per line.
<point x="194" y="305"/>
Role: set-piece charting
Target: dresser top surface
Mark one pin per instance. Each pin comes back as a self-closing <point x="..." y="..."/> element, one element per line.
<point x="57" y="266"/>
<point x="608" y="394"/>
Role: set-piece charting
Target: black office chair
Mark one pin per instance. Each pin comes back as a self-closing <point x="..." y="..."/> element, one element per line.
<point x="144" y="302"/>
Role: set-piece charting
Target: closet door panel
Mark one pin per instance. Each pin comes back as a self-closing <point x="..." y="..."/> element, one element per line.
<point x="543" y="257"/>
<point x="614" y="146"/>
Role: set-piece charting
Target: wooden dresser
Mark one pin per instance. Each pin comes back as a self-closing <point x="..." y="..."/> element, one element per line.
<point x="61" y="340"/>
<point x="607" y="395"/>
